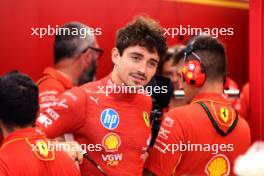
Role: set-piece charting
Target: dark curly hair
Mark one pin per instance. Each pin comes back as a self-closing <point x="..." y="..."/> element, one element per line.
<point x="145" y="32"/>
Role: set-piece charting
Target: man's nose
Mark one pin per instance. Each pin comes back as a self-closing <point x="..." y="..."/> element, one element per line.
<point x="142" y="68"/>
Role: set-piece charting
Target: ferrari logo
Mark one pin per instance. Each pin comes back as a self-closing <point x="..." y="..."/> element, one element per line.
<point x="224" y="112"/>
<point x="43" y="148"/>
<point x="146" y="119"/>
<point x="40" y="147"/>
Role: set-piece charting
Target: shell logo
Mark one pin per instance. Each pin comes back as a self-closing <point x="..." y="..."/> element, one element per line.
<point x="219" y="165"/>
<point x="111" y="142"/>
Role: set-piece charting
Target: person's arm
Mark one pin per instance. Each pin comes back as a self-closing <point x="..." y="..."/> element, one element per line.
<point x="66" y="115"/>
<point x="73" y="150"/>
<point x="165" y="156"/>
<point x="49" y="91"/>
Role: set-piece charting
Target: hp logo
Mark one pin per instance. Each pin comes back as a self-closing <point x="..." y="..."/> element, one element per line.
<point x="109" y="119"/>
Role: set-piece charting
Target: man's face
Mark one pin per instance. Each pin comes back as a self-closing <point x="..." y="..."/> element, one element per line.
<point x="173" y="73"/>
<point x="136" y="66"/>
<point x="91" y="55"/>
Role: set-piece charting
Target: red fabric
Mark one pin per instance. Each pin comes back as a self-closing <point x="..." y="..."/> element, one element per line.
<point x="84" y="111"/>
<point x="190" y="125"/>
<point x="256" y="65"/>
<point x="242" y="104"/>
<point x="51" y="86"/>
<point x="17" y="157"/>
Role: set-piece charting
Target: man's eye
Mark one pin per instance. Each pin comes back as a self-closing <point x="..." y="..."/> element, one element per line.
<point x="152" y="64"/>
<point x="135" y="57"/>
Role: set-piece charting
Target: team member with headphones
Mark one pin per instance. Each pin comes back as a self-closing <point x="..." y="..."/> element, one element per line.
<point x="207" y="135"/>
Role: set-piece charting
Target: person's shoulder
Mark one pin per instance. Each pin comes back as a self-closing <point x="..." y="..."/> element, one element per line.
<point x="79" y="93"/>
<point x="75" y="94"/>
<point x="242" y="129"/>
<point x="91" y="86"/>
<point x="7" y="153"/>
<point x="50" y="84"/>
<point x="186" y="115"/>
<point x="243" y="123"/>
<point x="47" y="80"/>
<point x="189" y="109"/>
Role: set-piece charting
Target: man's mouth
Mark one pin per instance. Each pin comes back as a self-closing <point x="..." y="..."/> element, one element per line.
<point x="138" y="79"/>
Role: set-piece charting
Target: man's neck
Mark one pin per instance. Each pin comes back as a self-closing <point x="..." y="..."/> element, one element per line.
<point x="115" y="77"/>
<point x="212" y="87"/>
<point x="68" y="71"/>
<point x="6" y="131"/>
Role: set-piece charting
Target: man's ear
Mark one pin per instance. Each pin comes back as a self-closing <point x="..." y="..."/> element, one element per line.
<point x="115" y="56"/>
<point x="86" y="58"/>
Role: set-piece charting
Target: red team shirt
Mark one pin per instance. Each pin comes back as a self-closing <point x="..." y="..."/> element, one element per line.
<point x="18" y="157"/>
<point x="242" y="104"/>
<point x="190" y="124"/>
<point x="52" y="84"/>
<point x="115" y="128"/>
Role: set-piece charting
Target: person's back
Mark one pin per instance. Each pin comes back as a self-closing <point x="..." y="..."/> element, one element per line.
<point x="200" y="146"/>
<point x="20" y="155"/>
<point x="215" y="152"/>
<point x="206" y="136"/>
<point x="25" y="150"/>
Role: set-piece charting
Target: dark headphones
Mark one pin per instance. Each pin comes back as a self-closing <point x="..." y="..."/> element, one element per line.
<point x="193" y="71"/>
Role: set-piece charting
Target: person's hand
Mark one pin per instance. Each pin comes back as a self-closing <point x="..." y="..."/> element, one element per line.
<point x="73" y="149"/>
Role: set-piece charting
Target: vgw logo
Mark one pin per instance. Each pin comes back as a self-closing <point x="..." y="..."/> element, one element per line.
<point x="109" y="118"/>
